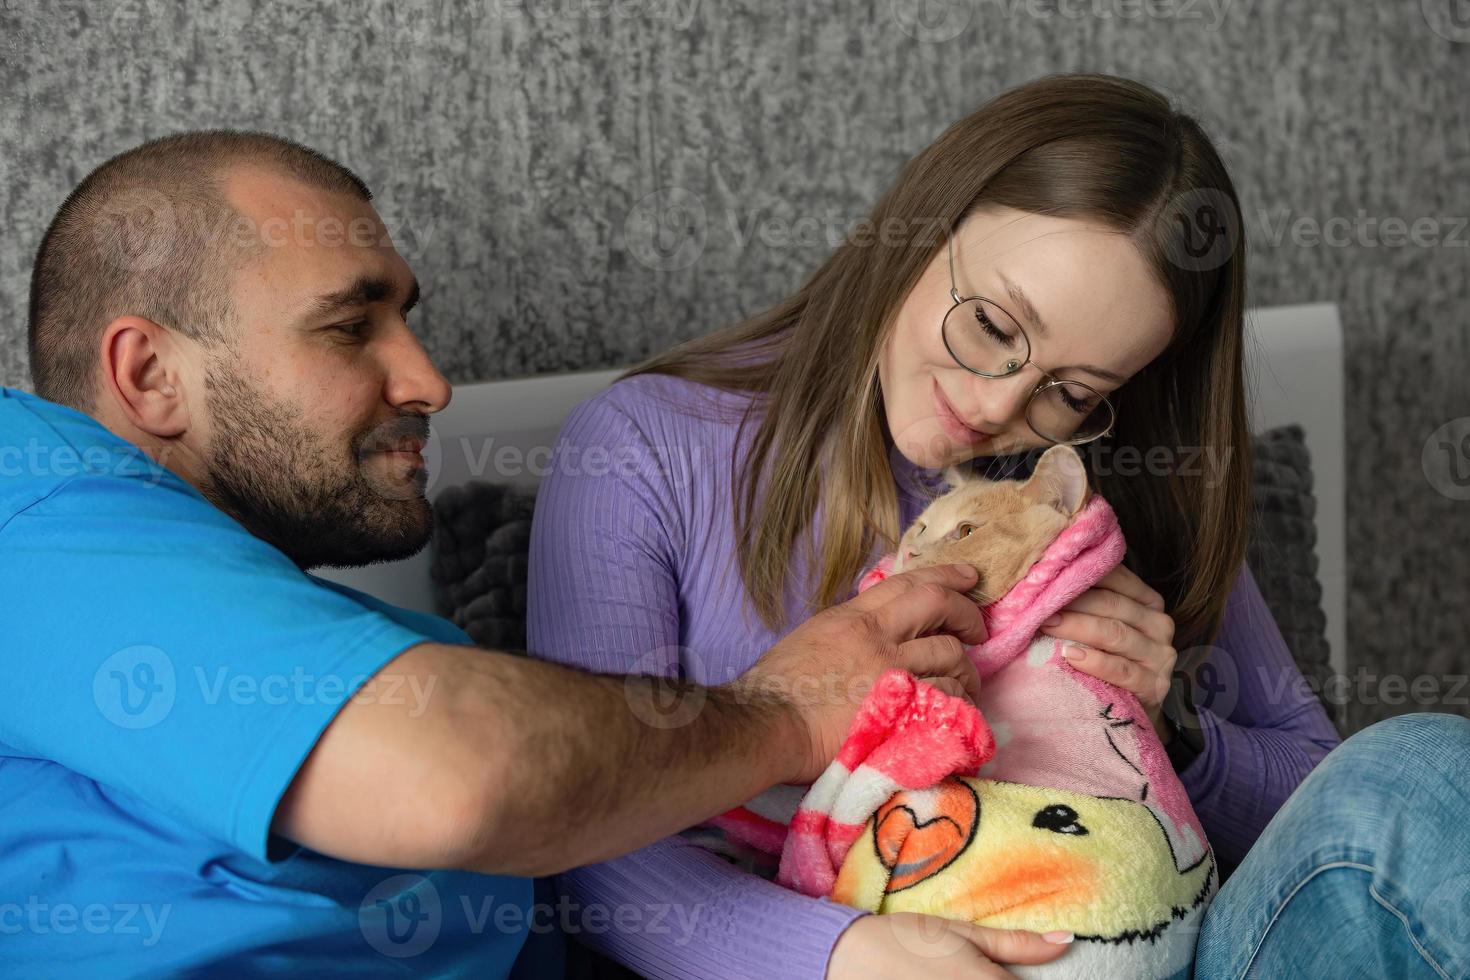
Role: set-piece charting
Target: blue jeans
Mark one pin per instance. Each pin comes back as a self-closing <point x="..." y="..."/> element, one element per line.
<point x="1364" y="872"/>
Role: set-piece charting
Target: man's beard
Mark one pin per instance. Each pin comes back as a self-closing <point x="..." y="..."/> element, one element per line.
<point x="320" y="503"/>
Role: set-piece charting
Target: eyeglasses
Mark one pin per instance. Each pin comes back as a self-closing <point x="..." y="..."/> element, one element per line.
<point x="986" y="340"/>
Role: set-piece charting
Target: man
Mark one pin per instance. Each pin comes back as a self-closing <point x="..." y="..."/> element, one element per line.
<point x="215" y="759"/>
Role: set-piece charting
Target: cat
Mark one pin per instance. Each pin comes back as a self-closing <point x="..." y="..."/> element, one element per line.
<point x="1077" y="821"/>
<point x="1061" y="810"/>
<point x="1000" y="527"/>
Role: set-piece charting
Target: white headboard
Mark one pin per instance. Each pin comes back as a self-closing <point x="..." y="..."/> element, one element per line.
<point x="1294" y="373"/>
<point x="502" y="431"/>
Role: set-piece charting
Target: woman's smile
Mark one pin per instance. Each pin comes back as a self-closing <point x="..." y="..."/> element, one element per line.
<point x="950" y="420"/>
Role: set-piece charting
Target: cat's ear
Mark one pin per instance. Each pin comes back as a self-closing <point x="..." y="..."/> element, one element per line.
<point x="1058" y="480"/>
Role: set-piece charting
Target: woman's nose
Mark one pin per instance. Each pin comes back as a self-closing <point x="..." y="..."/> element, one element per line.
<point x="1002" y="401"/>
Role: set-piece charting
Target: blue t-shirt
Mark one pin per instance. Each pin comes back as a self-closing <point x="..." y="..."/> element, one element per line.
<point x="167" y="673"/>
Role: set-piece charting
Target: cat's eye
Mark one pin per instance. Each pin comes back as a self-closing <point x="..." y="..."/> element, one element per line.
<point x="962" y="530"/>
<point x="920" y="530"/>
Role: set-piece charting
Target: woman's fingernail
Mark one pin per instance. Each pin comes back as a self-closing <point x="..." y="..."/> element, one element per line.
<point x="1054" y="620"/>
<point x="1059" y="938"/>
<point x="1073" y="652"/>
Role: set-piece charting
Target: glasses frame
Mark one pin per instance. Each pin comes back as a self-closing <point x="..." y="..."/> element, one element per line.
<point x="1048" y="380"/>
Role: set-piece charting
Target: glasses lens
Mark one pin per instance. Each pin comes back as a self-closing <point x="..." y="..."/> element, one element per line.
<point x="1069" y="411"/>
<point x="985" y="339"/>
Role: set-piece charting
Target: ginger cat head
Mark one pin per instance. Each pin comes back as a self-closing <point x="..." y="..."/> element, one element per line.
<point x="1001" y="527"/>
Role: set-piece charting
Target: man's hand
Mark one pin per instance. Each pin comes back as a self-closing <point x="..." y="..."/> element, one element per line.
<point x="918" y="621"/>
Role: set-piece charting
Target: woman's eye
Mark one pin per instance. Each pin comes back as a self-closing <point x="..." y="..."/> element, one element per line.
<point x="983" y="318"/>
<point x="1081" y="407"/>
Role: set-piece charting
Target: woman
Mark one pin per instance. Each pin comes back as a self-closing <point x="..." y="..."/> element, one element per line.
<point x="1057" y="284"/>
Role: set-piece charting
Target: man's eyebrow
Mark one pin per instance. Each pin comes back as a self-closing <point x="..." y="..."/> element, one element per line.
<point x="360" y="292"/>
<point x="1023" y="303"/>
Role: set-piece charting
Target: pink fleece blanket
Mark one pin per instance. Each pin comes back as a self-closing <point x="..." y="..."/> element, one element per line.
<point x="1040" y="722"/>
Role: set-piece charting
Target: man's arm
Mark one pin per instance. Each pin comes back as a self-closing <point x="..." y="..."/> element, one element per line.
<point x="507" y="765"/>
<point x="516" y="766"/>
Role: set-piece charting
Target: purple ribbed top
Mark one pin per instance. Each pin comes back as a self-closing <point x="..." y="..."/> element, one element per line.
<point x="632" y="571"/>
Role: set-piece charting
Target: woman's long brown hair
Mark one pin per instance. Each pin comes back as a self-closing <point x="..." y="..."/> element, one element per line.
<point x="1096" y="147"/>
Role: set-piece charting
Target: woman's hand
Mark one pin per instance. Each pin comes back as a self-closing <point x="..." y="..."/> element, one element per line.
<point x="1123" y="636"/>
<point x="906" y="944"/>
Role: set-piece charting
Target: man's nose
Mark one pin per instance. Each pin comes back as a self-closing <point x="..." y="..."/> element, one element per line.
<point x="412" y="378"/>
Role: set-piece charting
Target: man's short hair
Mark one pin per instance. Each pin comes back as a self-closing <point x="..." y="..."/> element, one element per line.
<point x="151" y="233"/>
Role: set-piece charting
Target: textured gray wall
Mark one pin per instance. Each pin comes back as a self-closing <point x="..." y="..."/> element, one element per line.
<point x="514" y="147"/>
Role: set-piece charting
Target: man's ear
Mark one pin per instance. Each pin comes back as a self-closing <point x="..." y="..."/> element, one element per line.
<point x="140" y="367"/>
<point x="1059" y="481"/>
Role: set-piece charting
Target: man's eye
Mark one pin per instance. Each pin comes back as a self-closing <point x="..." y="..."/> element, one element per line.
<point x="353" y="329"/>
